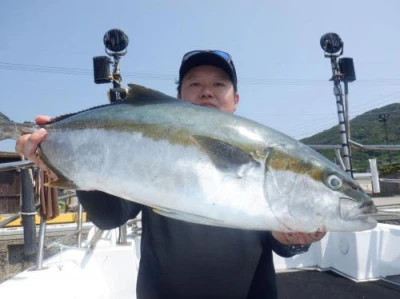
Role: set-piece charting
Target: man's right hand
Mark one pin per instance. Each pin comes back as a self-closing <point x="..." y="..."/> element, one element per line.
<point x="27" y="144"/>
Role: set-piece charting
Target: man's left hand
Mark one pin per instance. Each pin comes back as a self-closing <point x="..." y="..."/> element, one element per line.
<point x="298" y="238"/>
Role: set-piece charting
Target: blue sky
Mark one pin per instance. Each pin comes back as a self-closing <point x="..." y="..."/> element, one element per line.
<point x="47" y="47"/>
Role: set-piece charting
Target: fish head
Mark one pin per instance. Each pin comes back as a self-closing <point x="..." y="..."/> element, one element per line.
<point x="310" y="193"/>
<point x="355" y="209"/>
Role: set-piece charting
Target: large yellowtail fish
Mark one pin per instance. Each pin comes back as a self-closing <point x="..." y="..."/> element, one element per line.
<point x="200" y="165"/>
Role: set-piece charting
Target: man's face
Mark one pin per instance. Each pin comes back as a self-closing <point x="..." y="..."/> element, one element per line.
<point x="209" y="86"/>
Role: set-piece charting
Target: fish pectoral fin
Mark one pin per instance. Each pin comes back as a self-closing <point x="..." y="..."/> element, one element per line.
<point x="222" y="154"/>
<point x="61" y="184"/>
<point x="262" y="156"/>
<point x="188" y="217"/>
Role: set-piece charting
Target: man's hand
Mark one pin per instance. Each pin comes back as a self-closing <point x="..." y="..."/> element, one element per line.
<point x="27" y="144"/>
<point x="298" y="238"/>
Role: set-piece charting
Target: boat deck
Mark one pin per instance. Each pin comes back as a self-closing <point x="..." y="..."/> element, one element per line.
<point x="315" y="284"/>
<point x="102" y="272"/>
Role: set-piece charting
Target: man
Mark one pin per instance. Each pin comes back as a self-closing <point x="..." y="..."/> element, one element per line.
<point x="186" y="260"/>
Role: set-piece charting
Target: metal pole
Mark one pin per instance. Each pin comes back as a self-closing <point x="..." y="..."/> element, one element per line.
<point x="339" y="159"/>
<point x="347" y="121"/>
<point x="337" y="91"/>
<point x="28" y="213"/>
<point x="80" y="220"/>
<point x="123" y="238"/>
<point x="346" y="105"/>
<point x="42" y="232"/>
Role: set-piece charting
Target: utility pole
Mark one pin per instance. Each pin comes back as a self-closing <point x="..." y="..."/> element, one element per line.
<point x="384" y="119"/>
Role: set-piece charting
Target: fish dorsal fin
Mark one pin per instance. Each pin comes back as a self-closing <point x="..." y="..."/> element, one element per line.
<point x="136" y="92"/>
<point x="222" y="154"/>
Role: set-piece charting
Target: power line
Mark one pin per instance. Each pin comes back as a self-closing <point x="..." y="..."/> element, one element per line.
<point x="74" y="71"/>
<point x="169" y="77"/>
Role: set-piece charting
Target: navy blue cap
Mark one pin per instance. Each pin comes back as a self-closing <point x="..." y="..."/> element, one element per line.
<point x="215" y="58"/>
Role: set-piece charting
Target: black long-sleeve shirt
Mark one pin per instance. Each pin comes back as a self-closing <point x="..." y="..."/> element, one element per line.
<point x="185" y="260"/>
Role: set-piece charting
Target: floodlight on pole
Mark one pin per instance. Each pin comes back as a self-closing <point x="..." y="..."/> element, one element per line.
<point x="332" y="44"/>
<point x="116" y="43"/>
<point x="342" y="71"/>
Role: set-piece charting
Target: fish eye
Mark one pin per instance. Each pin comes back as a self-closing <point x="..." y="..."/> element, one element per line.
<point x="334" y="182"/>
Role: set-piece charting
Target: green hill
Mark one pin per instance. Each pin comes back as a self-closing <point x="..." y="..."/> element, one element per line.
<point x="367" y="129"/>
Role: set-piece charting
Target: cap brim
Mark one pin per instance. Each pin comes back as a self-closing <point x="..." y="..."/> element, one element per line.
<point x="206" y="58"/>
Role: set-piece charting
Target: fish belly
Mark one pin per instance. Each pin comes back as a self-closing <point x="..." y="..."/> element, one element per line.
<point x="160" y="174"/>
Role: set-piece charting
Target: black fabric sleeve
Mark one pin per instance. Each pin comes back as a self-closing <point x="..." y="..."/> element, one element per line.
<point x="285" y="250"/>
<point x="105" y="210"/>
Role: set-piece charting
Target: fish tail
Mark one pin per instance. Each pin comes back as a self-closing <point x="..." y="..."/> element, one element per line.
<point x="12" y="130"/>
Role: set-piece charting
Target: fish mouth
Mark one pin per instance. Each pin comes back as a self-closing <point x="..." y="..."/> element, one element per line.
<point x="349" y="210"/>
